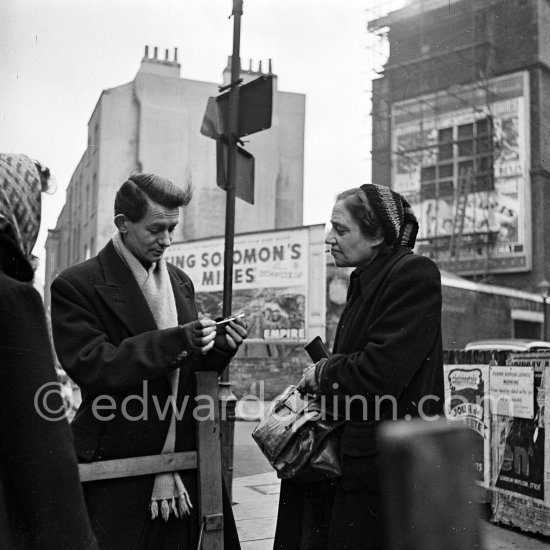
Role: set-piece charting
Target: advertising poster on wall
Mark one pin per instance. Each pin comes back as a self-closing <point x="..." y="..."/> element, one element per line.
<point x="466" y="392"/>
<point x="520" y="441"/>
<point x="270" y="280"/>
<point x="461" y="157"/>
<point x="521" y="450"/>
<point x="512" y="391"/>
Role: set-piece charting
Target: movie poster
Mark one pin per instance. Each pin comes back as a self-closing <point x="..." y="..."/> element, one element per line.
<point x="519" y="441"/>
<point x="270" y="280"/>
<point x="462" y="160"/>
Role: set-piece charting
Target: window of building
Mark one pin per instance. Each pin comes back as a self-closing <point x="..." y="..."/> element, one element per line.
<point x="94" y="194"/>
<point x="527" y="329"/>
<point x="527" y="324"/>
<point x="77" y="244"/>
<point x="462" y="160"/>
<point x="88" y="198"/>
<point x="79" y="196"/>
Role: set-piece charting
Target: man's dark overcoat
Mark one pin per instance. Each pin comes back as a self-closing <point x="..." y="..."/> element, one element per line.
<point x="388" y="343"/>
<point x="108" y="342"/>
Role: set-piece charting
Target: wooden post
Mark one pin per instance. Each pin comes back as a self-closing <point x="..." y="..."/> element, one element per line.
<point x="428" y="485"/>
<point x="209" y="464"/>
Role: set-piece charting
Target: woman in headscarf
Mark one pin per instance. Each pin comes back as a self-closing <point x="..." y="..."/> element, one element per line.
<point x="387" y="356"/>
<point x="41" y="501"/>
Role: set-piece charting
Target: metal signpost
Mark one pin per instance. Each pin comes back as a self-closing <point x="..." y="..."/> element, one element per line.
<point x="242" y="111"/>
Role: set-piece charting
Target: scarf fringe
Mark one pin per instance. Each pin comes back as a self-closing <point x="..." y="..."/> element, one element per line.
<point x="180" y="508"/>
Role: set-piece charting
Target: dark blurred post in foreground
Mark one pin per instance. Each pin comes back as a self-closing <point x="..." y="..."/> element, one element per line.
<point x="429" y="487"/>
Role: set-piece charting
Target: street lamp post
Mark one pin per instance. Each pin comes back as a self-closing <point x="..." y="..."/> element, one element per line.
<point x="544" y="288"/>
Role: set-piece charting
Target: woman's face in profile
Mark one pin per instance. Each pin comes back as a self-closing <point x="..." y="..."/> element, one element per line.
<point x="349" y="246"/>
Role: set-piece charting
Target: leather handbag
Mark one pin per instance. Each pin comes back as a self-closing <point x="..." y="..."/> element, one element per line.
<point x="300" y="438"/>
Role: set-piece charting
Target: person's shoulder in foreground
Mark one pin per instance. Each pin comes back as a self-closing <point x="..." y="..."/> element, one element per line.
<point x="41" y="501"/>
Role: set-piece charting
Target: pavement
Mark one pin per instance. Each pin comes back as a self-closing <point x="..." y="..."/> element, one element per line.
<point x="256" y="496"/>
<point x="256" y="499"/>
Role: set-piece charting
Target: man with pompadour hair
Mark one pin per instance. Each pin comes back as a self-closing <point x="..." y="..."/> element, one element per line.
<point x="126" y="331"/>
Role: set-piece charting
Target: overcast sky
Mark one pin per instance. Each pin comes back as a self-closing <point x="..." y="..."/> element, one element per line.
<point x="58" y="55"/>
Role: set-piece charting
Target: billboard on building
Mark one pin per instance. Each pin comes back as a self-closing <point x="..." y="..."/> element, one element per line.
<point x="461" y="157"/>
<point x="278" y="280"/>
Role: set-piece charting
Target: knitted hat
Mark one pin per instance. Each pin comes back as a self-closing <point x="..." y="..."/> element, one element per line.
<point x="394" y="213"/>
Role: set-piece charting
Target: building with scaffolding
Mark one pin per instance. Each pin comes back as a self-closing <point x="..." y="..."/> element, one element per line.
<point x="458" y="126"/>
<point x="152" y="124"/>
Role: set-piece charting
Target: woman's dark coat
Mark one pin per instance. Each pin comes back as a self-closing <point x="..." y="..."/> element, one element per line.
<point x="41" y="501"/>
<point x="107" y="340"/>
<point x="388" y="343"/>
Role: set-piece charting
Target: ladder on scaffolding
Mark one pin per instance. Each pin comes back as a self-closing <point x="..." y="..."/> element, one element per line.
<point x="462" y="192"/>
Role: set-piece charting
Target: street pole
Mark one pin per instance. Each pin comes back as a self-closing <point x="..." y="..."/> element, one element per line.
<point x="228" y="400"/>
<point x="544" y="317"/>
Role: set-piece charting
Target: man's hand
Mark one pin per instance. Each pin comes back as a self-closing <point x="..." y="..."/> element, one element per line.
<point x="231" y="334"/>
<point x="200" y="334"/>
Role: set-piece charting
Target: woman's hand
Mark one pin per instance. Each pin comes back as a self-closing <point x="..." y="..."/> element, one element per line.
<point x="308" y="383"/>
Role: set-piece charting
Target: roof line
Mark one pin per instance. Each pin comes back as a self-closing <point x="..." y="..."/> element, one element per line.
<point x="490" y="289"/>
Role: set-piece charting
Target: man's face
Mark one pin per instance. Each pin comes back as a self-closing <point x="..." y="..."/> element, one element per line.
<point x="349" y="246"/>
<point x="148" y="238"/>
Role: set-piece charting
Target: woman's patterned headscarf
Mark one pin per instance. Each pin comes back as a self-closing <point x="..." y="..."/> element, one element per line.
<point x="394" y="213"/>
<point x="20" y="198"/>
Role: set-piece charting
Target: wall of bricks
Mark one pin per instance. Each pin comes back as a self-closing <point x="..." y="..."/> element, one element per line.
<point x="266" y="377"/>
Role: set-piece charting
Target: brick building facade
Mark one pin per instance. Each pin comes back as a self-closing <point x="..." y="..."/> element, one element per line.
<point x="460" y="125"/>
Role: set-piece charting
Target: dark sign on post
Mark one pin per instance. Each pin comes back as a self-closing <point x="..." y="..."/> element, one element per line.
<point x="255" y="110"/>
<point x="255" y="107"/>
<point x="244" y="186"/>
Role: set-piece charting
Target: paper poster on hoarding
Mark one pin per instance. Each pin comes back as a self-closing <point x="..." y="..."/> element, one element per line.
<point x="521" y="511"/>
<point x="522" y="463"/>
<point x="270" y="280"/>
<point x="519" y="443"/>
<point x="466" y="391"/>
<point x="512" y="391"/>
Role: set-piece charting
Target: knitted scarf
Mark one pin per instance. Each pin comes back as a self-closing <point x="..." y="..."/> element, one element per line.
<point x="168" y="491"/>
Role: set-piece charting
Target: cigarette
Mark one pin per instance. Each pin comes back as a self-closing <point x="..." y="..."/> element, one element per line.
<point x="229" y="319"/>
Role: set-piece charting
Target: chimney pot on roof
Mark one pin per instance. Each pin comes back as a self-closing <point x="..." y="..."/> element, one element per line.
<point x="270" y="67"/>
<point x="250" y="65"/>
<point x="175" y="55"/>
<point x="146" y="52"/>
<point x="260" y="66"/>
<point x="156" y="52"/>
